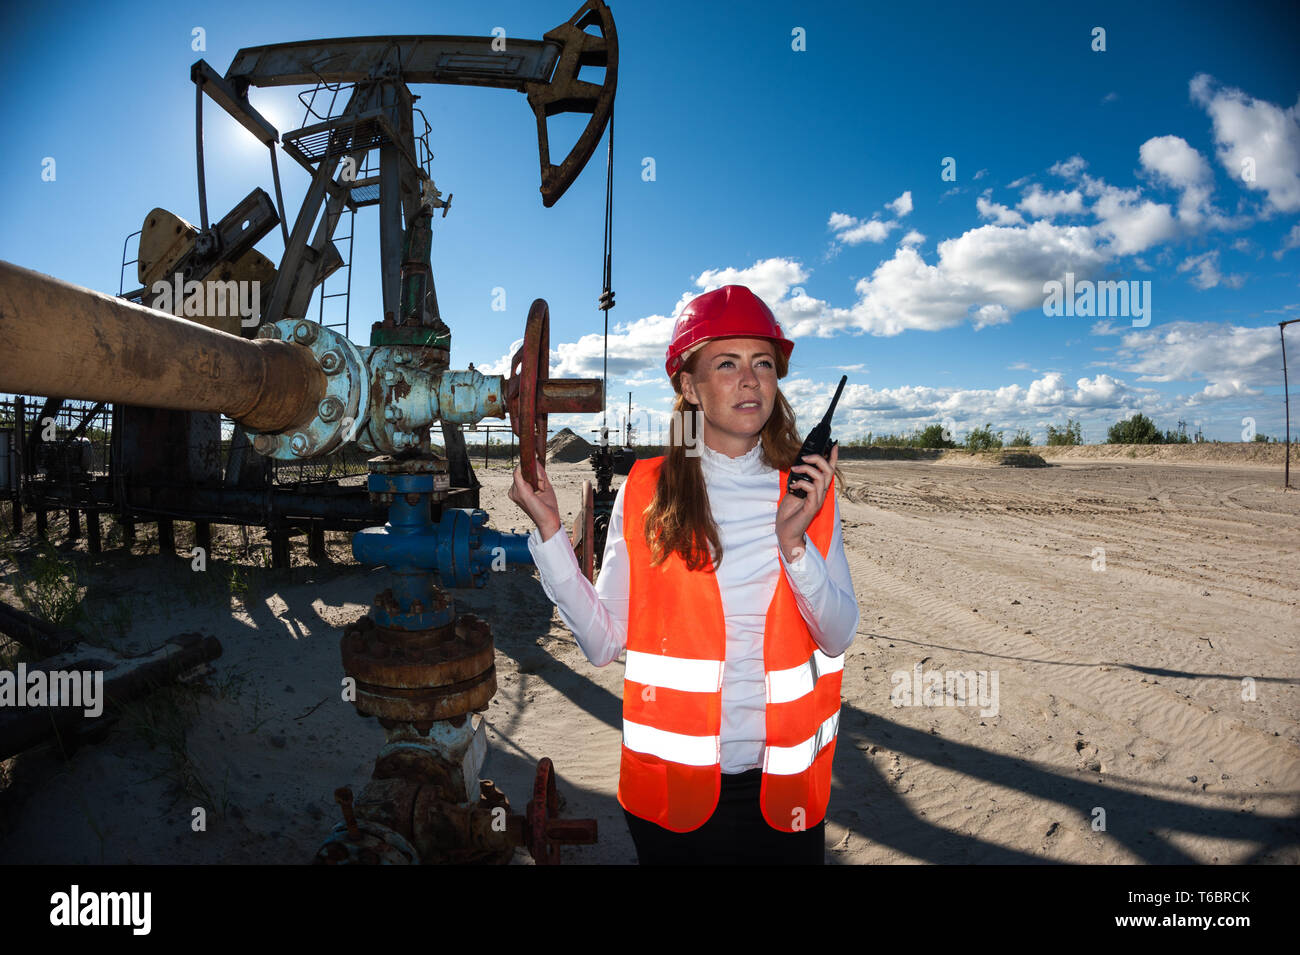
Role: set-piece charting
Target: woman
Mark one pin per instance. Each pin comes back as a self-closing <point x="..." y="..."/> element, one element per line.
<point x="732" y="599"/>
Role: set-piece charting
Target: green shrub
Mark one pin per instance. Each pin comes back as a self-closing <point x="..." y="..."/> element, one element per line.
<point x="983" y="439"/>
<point x="1138" y="429"/>
<point x="51" y="590"/>
<point x="933" y="437"/>
<point x="1070" y="434"/>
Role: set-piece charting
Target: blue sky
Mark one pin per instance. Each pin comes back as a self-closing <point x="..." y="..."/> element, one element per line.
<point x="814" y="176"/>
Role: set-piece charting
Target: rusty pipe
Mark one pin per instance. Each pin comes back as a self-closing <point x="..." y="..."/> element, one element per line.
<point x="64" y="340"/>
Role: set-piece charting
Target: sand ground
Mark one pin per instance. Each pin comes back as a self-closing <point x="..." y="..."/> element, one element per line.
<point x="1124" y="683"/>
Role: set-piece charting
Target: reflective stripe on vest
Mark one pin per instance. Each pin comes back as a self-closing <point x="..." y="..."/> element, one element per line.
<point x="788" y="760"/>
<point x="674" y="747"/>
<point x="670" y="771"/>
<point x="674" y="673"/>
<point x="786" y="685"/>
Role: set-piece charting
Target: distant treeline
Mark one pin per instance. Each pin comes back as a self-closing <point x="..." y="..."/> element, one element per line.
<point x="1139" y="429"/>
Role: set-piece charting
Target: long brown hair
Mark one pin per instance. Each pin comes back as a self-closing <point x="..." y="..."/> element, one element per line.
<point x="678" y="519"/>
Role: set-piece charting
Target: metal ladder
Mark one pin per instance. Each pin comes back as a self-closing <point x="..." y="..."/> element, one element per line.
<point x="332" y="281"/>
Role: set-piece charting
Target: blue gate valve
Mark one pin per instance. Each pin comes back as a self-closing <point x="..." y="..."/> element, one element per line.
<point x="460" y="549"/>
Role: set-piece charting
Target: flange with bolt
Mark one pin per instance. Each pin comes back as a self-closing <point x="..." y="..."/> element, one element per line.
<point x="329" y="408"/>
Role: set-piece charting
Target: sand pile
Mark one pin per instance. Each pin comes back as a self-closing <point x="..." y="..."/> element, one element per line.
<point x="567" y="447"/>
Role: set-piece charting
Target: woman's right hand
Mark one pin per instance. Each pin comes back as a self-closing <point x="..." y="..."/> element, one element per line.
<point x="541" y="504"/>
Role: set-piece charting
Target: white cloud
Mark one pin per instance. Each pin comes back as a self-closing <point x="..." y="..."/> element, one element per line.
<point x="854" y="231"/>
<point x="873" y="230"/>
<point x="1172" y="162"/>
<point x="1171" y="159"/>
<point x="1219" y="353"/>
<point x="902" y="205"/>
<point x="1104" y="326"/>
<point x="840" y="221"/>
<point x="1069" y="168"/>
<point x="1225" y="389"/>
<point x="1291" y="241"/>
<point x="1253" y="132"/>
<point x="912" y="238"/>
<point x="982" y="276"/>
<point x="1130" y="223"/>
<point x="1101" y="391"/>
<point x="1000" y="214"/>
<point x="991" y="315"/>
<point x="1045" y="205"/>
<point x="1048" y="390"/>
<point x="1207" y="271"/>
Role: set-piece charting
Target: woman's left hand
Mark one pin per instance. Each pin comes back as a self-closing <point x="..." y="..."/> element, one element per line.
<point x="795" y="513"/>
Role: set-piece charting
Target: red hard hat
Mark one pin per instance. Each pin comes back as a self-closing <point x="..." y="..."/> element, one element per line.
<point x="732" y="311"/>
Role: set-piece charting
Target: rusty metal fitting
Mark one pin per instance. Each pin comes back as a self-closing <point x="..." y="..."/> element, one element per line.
<point x="331" y="362"/>
<point x="330" y="408"/>
<point x="447" y="677"/>
<point x="343" y="796"/>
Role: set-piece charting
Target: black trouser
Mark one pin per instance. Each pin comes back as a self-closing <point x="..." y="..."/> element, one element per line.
<point x="736" y="834"/>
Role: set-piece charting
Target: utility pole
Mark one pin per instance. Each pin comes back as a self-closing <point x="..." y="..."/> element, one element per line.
<point x="1286" y="401"/>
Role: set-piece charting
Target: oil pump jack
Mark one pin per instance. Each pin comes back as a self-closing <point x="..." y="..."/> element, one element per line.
<point x="301" y="389"/>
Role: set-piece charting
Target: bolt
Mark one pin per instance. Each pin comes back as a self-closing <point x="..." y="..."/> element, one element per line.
<point x="268" y="331"/>
<point x="389" y="376"/>
<point x="390" y="412"/>
<point x="329" y="408"/>
<point x="400" y="357"/>
<point x="304" y="333"/>
<point x="331" y="362"/>
<point x="264" y="443"/>
<point x="300" y="444"/>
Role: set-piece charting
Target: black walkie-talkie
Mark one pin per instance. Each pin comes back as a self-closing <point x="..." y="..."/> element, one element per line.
<point x="817" y="442"/>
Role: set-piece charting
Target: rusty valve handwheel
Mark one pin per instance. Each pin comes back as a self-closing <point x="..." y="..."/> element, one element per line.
<point x="530" y="366"/>
<point x="531" y="393"/>
<point x="544" y="831"/>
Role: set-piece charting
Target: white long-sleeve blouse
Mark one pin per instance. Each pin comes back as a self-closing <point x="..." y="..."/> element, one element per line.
<point x="743" y="494"/>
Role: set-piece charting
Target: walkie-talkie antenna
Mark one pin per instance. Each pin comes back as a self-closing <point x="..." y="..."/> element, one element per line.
<point x="817" y="442"/>
<point x="836" y="400"/>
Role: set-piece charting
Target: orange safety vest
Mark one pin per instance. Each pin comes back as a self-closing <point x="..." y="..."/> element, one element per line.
<point x="671" y="767"/>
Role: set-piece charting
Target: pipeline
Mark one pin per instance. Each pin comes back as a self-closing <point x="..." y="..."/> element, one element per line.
<point x="57" y="338"/>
